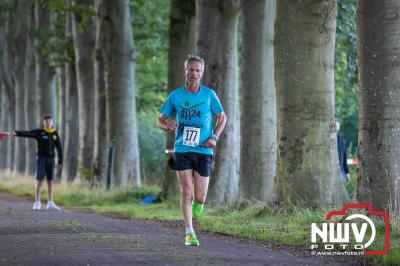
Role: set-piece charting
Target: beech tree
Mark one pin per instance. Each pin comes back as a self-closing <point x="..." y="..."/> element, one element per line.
<point x="308" y="165"/>
<point x="84" y="43"/>
<point x="378" y="176"/>
<point x="118" y="53"/>
<point x="258" y="151"/>
<point x="216" y="41"/>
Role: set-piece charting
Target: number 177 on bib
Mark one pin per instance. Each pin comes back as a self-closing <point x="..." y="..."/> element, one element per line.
<point x="191" y="136"/>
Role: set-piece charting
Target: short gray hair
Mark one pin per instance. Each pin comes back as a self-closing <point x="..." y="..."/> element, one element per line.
<point x="194" y="58"/>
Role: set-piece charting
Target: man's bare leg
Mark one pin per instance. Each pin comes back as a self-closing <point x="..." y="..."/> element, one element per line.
<point x="38" y="189"/>
<point x="185" y="179"/>
<point x="50" y="204"/>
<point x="200" y="187"/>
<point x="49" y="190"/>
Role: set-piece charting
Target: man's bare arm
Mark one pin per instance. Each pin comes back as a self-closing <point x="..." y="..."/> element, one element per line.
<point x="211" y="142"/>
<point x="220" y="125"/>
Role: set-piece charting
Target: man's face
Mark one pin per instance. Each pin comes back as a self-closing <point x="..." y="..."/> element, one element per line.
<point x="48" y="123"/>
<point x="194" y="73"/>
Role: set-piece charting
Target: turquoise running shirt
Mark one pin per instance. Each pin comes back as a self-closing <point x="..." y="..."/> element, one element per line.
<point x="194" y="112"/>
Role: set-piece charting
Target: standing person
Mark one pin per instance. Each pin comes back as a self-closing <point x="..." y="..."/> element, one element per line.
<point x="342" y="147"/>
<point x="194" y="106"/>
<point x="47" y="141"/>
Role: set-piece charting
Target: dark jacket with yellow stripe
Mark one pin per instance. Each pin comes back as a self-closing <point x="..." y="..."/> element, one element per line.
<point x="47" y="141"/>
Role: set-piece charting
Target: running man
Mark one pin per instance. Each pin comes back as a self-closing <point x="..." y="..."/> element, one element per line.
<point x="47" y="141"/>
<point x="194" y="106"/>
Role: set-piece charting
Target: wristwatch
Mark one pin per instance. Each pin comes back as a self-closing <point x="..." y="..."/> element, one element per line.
<point x="215" y="137"/>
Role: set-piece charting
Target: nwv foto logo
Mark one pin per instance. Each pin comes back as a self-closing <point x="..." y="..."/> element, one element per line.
<point x="339" y="235"/>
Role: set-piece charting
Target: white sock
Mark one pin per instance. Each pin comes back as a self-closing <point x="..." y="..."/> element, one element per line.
<point x="189" y="230"/>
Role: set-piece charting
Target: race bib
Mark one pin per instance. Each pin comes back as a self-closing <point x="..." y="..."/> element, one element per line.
<point x="191" y="136"/>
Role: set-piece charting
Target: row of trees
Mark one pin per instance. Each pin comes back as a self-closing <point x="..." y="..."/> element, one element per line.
<point x="279" y="143"/>
<point x="93" y="61"/>
<point x="287" y="148"/>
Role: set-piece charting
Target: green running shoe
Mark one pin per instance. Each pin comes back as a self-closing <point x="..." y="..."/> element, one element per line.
<point x="197" y="208"/>
<point x="191" y="240"/>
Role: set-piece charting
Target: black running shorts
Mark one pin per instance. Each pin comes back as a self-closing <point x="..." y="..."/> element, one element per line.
<point x="201" y="163"/>
<point x="45" y="167"/>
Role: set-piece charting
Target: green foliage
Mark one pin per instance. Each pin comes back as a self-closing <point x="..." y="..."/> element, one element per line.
<point x="150" y="29"/>
<point x="393" y="256"/>
<point x="150" y="21"/>
<point x="80" y="195"/>
<point x="287" y="225"/>
<point x="85" y="12"/>
<point x="86" y="174"/>
<point x="57" y="6"/>
<point x="152" y="145"/>
<point x="5" y="6"/>
<point x="164" y="211"/>
<point x="150" y="35"/>
<point x="100" y="197"/>
<point x="346" y="76"/>
<point x="57" y="47"/>
<point x="85" y="16"/>
<point x="54" y="43"/>
<point x="351" y="184"/>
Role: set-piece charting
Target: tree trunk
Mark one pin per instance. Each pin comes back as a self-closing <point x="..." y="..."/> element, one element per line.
<point x="99" y="165"/>
<point x="71" y="147"/>
<point x="31" y="104"/>
<point x="3" y="124"/>
<point x="258" y="123"/>
<point x="181" y="44"/>
<point x="45" y="75"/>
<point x="6" y="64"/>
<point x="3" y="97"/>
<point x="18" y="49"/>
<point x="308" y="164"/>
<point x="59" y="17"/>
<point x="378" y="180"/>
<point x="119" y="69"/>
<point x="62" y="80"/>
<point x="84" y="43"/>
<point x="216" y="41"/>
